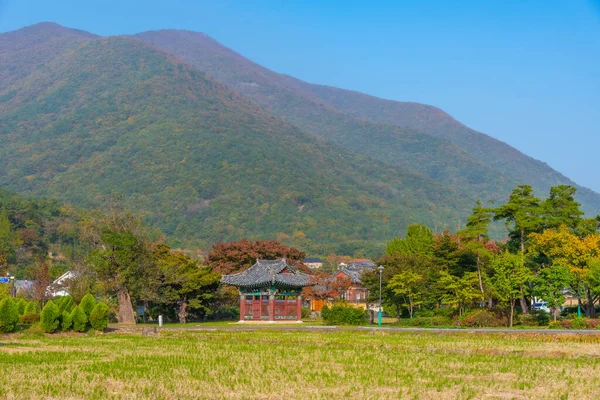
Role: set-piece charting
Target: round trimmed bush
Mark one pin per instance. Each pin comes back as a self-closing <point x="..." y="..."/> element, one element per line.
<point x="87" y="304"/>
<point x="80" y="319"/>
<point x="31" y="308"/>
<point x="66" y="304"/>
<point x="49" y="318"/>
<point x="9" y="315"/>
<point x="99" y="316"/>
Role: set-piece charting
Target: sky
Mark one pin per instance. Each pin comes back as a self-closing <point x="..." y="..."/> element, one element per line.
<point x="526" y="72"/>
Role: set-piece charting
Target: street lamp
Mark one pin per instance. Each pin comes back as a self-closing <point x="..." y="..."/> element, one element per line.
<point x="13" y="290"/>
<point x="379" y="314"/>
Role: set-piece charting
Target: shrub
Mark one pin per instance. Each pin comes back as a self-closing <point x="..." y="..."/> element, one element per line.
<point x="344" y="314"/>
<point x="9" y="315"/>
<point x="66" y="322"/>
<point x="87" y="304"/>
<point x="31" y="308"/>
<point x="436" y="312"/>
<point x="481" y="319"/>
<point x="99" y="316"/>
<point x="66" y="304"/>
<point x="575" y="323"/>
<point x="305" y="312"/>
<point x="80" y="319"/>
<point x="30" y="318"/>
<point x="22" y="304"/>
<point x="49" y="318"/>
<point x="535" y="318"/>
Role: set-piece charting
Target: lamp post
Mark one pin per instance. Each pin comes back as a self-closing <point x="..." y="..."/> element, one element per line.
<point x="13" y="290"/>
<point x="379" y="313"/>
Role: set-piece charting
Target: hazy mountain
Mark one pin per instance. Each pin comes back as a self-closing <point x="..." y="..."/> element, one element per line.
<point x="415" y="136"/>
<point x="91" y="117"/>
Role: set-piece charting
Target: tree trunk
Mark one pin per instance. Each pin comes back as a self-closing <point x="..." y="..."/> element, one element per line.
<point x="182" y="314"/>
<point x="555" y="312"/>
<point x="125" y="308"/>
<point x="512" y="313"/>
<point x="480" y="279"/>
<point x="523" y="302"/>
<point x="591" y="309"/>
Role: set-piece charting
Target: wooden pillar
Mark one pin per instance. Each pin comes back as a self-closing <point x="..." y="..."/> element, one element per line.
<point x="242" y="307"/>
<point x="299" y="308"/>
<point x="271" y="306"/>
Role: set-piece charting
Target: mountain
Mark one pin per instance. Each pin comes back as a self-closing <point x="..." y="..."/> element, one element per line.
<point x="83" y="118"/>
<point x="410" y="135"/>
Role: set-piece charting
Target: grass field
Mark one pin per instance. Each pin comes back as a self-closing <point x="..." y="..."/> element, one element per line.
<point x="277" y="364"/>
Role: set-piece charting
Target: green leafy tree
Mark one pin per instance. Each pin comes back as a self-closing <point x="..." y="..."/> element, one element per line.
<point x="510" y="276"/>
<point x="409" y="285"/>
<point x="458" y="291"/>
<point x="560" y="208"/>
<point x="99" y="316"/>
<point x="522" y="215"/>
<point x="9" y="315"/>
<point x="123" y="264"/>
<point x="183" y="282"/>
<point x="50" y="317"/>
<point x="550" y="284"/>
<point x="418" y="240"/>
<point x="80" y="319"/>
<point x="87" y="304"/>
<point x="476" y="232"/>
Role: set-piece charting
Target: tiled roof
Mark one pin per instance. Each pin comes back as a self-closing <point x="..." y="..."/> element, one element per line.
<point x="355" y="270"/>
<point x="268" y="272"/>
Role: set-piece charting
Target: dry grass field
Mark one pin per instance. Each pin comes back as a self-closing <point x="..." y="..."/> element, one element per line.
<point x="276" y="364"/>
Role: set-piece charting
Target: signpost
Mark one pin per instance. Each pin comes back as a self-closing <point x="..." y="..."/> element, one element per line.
<point x="4" y="280"/>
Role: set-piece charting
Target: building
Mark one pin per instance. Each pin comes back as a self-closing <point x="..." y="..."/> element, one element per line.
<point x="269" y="291"/>
<point x="356" y="293"/>
<point x="60" y="286"/>
<point x="313" y="263"/>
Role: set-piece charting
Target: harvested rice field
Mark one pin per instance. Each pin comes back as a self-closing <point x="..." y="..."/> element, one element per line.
<point x="279" y="364"/>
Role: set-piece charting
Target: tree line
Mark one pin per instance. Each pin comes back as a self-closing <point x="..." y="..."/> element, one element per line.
<point x="551" y="248"/>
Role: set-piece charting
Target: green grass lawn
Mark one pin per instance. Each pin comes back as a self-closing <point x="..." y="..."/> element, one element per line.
<point x="279" y="364"/>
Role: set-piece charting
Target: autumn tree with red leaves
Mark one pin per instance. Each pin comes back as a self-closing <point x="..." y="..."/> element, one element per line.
<point x="229" y="258"/>
<point x="323" y="286"/>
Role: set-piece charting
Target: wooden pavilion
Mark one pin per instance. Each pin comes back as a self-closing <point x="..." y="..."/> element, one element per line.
<point x="269" y="291"/>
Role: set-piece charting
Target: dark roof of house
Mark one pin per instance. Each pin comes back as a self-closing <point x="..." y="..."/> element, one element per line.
<point x="355" y="270"/>
<point x="312" y="260"/>
<point x="360" y="264"/>
<point x="268" y="272"/>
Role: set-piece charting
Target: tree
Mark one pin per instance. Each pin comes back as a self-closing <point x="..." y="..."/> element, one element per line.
<point x="510" y="276"/>
<point x="418" y="240"/>
<point x="476" y="232"/>
<point x="183" y="282"/>
<point x="228" y="258"/>
<point x="409" y="285"/>
<point x="458" y="291"/>
<point x="560" y="208"/>
<point x="43" y="279"/>
<point x="550" y="284"/>
<point x="323" y="286"/>
<point x="123" y="265"/>
<point x="522" y="215"/>
<point x="579" y="254"/>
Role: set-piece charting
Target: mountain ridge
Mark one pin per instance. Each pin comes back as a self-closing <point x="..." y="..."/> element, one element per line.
<point x="116" y="115"/>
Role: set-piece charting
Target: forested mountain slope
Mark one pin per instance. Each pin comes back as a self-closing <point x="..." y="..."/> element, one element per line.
<point x="118" y="116"/>
<point x="411" y="135"/>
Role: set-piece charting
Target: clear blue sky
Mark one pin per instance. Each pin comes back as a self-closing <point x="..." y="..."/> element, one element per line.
<point x="526" y="72"/>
